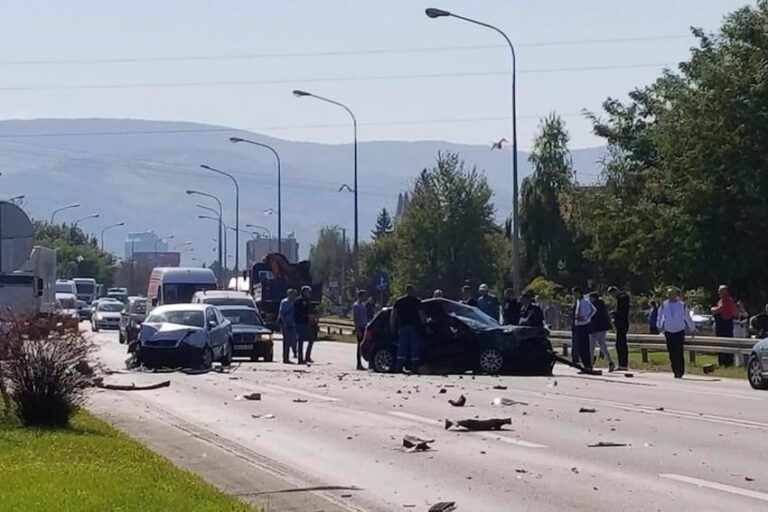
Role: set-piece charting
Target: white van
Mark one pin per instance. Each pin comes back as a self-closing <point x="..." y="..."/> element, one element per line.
<point x="177" y="285"/>
<point x="66" y="286"/>
<point x="224" y="298"/>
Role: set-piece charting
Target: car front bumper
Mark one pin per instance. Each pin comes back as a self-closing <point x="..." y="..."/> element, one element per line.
<point x="160" y="356"/>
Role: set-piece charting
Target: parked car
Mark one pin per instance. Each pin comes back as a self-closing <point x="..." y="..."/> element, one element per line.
<point x="459" y="338"/>
<point x="131" y="318"/>
<point x="223" y="298"/>
<point x="250" y="337"/>
<point x="188" y="335"/>
<point x="83" y="310"/>
<point x="757" y="367"/>
<point x="106" y="315"/>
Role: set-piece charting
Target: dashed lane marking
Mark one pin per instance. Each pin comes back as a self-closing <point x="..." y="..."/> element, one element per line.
<point x="716" y="486"/>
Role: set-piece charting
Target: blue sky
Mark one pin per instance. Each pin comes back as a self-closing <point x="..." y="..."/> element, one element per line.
<point x="348" y="50"/>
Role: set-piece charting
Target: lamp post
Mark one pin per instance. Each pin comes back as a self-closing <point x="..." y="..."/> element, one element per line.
<point x="440" y="13"/>
<point x="53" y="215"/>
<point x="221" y="240"/>
<point x="220" y="214"/>
<point x="235" y="140"/>
<point x="91" y="216"/>
<point x="237" y="211"/>
<point x="183" y="244"/>
<point x="108" y="228"/>
<point x="302" y="94"/>
<point x="269" y="234"/>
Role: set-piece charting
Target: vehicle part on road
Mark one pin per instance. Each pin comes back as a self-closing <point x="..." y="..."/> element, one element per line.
<point x="416" y="444"/>
<point x="473" y="424"/>
<point x="249" y="396"/>
<point x="443" y="506"/>
<point x="341" y="376"/>
<point x="607" y="444"/>
<point x="501" y="401"/>
<point x="459" y="402"/>
<point x="265" y="416"/>
<point x="442" y="391"/>
<point x="299" y="400"/>
<point x="587" y="409"/>
<point x="133" y="387"/>
<point x="500" y="387"/>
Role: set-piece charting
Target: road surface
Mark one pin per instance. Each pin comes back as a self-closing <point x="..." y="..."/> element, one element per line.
<point x="697" y="444"/>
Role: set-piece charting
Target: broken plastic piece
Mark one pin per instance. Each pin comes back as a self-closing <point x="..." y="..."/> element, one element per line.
<point x="607" y="444"/>
<point x="443" y="506"/>
<point x="459" y="402"/>
<point x="416" y="444"/>
<point x="587" y="409"/>
<point x="472" y="424"/>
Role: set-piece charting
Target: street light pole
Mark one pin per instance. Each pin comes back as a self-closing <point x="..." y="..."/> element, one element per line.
<point x="91" y="216"/>
<point x="439" y="13"/>
<point x="301" y="94"/>
<point x="220" y="214"/>
<point x="237" y="211"/>
<point x="108" y="228"/>
<point x="269" y="234"/>
<point x="223" y="233"/>
<point x="53" y="215"/>
<point x="279" y="193"/>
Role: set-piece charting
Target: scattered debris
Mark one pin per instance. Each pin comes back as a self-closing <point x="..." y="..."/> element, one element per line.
<point x="520" y="470"/>
<point x="341" y="376"/>
<point x="442" y="391"/>
<point x="659" y="408"/>
<point x="749" y="479"/>
<point x="249" y="396"/>
<point x="588" y="409"/>
<point x="265" y="416"/>
<point x="299" y="400"/>
<point x="443" y="506"/>
<point x="195" y="371"/>
<point x="459" y="402"/>
<point x="133" y="387"/>
<point x="416" y="444"/>
<point x="629" y="375"/>
<point x="709" y="369"/>
<point x="574" y="469"/>
<point x="322" y="385"/>
<point x="499" y="386"/>
<point x="607" y="444"/>
<point x="498" y="402"/>
<point x="300" y="370"/>
<point x="473" y="424"/>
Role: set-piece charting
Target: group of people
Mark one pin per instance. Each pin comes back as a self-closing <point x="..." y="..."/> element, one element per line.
<point x="512" y="311"/>
<point x="298" y="321"/>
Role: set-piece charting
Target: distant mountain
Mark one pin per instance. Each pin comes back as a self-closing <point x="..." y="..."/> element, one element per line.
<point x="137" y="171"/>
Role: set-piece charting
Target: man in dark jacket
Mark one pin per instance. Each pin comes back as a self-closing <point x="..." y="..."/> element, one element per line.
<point x="510" y="308"/>
<point x="598" y="328"/>
<point x="531" y="314"/>
<point x="306" y="321"/>
<point x="621" y="325"/>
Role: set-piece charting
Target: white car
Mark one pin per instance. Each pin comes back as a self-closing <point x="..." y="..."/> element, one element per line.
<point x="106" y="315"/>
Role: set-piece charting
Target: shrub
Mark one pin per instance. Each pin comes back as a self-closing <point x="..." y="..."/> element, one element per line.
<point x="43" y="370"/>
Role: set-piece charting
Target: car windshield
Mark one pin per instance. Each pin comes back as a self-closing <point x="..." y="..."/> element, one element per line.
<point x="110" y="307"/>
<point x="473" y="317"/>
<point x="63" y="288"/>
<point x="140" y="307"/>
<point x="67" y="303"/>
<point x="181" y="293"/>
<point x="84" y="287"/>
<point x="229" y="301"/>
<point x="192" y="318"/>
<point x="245" y="316"/>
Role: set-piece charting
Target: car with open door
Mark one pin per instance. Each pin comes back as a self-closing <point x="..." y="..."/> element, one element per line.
<point x="459" y="338"/>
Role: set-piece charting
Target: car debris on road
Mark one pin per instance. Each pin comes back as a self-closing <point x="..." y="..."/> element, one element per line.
<point x="501" y="401"/>
<point x="459" y="402"/>
<point x="249" y="396"/>
<point x="587" y="410"/>
<point x="132" y="387"/>
<point x="416" y="444"/>
<point x="607" y="444"/>
<point x="443" y="506"/>
<point x="473" y="424"/>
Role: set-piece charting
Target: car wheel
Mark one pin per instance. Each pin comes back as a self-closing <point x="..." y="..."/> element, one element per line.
<point x="754" y="373"/>
<point x="206" y="358"/>
<point x="226" y="359"/>
<point x="120" y="337"/>
<point x="95" y="327"/>
<point x="383" y="360"/>
<point x="490" y="361"/>
<point x="269" y="357"/>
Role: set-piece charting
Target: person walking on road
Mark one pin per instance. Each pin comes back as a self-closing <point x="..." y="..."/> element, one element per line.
<point x="304" y="313"/>
<point x="653" y="317"/>
<point x="598" y="329"/>
<point x="487" y="303"/>
<point x="510" y="309"/>
<point x="674" y="320"/>
<point x="621" y="324"/>
<point x="466" y="296"/>
<point x="582" y="314"/>
<point x="407" y="320"/>
<point x="725" y="312"/>
<point x="530" y="314"/>
<point x="360" y="317"/>
<point x="287" y="321"/>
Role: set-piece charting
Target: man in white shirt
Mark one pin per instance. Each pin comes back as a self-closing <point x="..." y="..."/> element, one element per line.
<point x="674" y="319"/>
<point x="582" y="313"/>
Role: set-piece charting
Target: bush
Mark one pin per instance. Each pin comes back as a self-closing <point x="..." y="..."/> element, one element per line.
<point x="43" y="370"/>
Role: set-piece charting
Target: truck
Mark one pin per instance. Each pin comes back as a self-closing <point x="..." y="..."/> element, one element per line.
<point x="86" y="289"/>
<point x="270" y="279"/>
<point x="31" y="288"/>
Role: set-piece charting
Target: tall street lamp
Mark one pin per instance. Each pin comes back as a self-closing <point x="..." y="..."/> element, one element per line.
<point x="279" y="193"/>
<point x="222" y="240"/>
<point x="183" y="244"/>
<point x="220" y="213"/>
<point x="237" y="211"/>
<point x="108" y="228"/>
<point x="164" y="239"/>
<point x="439" y="13"/>
<point x="91" y="216"/>
<point x="302" y="94"/>
<point x="69" y="206"/>
<point x="269" y="234"/>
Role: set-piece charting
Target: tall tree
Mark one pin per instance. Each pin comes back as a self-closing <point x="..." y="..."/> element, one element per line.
<point x="546" y="240"/>
<point x="330" y="257"/>
<point x="383" y="224"/>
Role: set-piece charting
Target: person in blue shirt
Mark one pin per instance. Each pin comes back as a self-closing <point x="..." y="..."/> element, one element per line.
<point x="287" y="321"/>
<point x="487" y="303"/>
<point x="360" y="318"/>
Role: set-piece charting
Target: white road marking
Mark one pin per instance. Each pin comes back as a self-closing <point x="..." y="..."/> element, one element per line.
<point x="307" y="394"/>
<point x="716" y="486"/>
<point x="487" y="435"/>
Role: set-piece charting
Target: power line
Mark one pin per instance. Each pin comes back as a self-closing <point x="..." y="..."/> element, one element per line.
<point x="338" y="53"/>
<point x="229" y="83"/>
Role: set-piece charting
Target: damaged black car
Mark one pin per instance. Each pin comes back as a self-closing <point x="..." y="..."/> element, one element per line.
<point x="459" y="338"/>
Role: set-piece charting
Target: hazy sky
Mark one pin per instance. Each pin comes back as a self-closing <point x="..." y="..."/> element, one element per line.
<point x="361" y="52"/>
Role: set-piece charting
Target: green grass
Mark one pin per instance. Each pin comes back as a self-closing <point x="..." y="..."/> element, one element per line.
<point x="658" y="361"/>
<point x="92" y="467"/>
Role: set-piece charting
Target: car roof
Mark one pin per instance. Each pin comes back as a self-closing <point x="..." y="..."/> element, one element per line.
<point x="181" y="307"/>
<point x="232" y="307"/>
<point x="223" y="294"/>
<point x="184" y="275"/>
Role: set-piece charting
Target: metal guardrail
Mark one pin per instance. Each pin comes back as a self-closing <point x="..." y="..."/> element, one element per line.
<point x="740" y="347"/>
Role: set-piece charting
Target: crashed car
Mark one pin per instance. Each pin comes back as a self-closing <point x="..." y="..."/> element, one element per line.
<point x="184" y="335"/>
<point x="131" y="318"/>
<point x="460" y="338"/>
<point x="250" y="338"/>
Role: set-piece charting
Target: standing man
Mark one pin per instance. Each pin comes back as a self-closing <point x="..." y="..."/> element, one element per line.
<point x="621" y="325"/>
<point x="407" y="320"/>
<point x="674" y="320"/>
<point x="287" y="322"/>
<point x="360" y="317"/>
<point x="303" y="311"/>
<point x="583" y="311"/>
<point x="598" y="328"/>
<point x="530" y="314"/>
<point x="510" y="309"/>
<point x="653" y="318"/>
<point x="487" y="303"/>
<point x="370" y="308"/>
<point x="466" y="296"/>
<point x="724" y="311"/>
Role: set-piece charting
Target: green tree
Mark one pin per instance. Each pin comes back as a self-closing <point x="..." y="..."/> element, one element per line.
<point x="330" y="259"/>
<point x="383" y="224"/>
<point x="446" y="235"/>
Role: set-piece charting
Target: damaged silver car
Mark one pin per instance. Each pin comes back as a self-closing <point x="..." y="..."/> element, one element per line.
<point x="184" y="335"/>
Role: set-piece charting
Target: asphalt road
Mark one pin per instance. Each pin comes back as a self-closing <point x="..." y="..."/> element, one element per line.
<point x="697" y="444"/>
